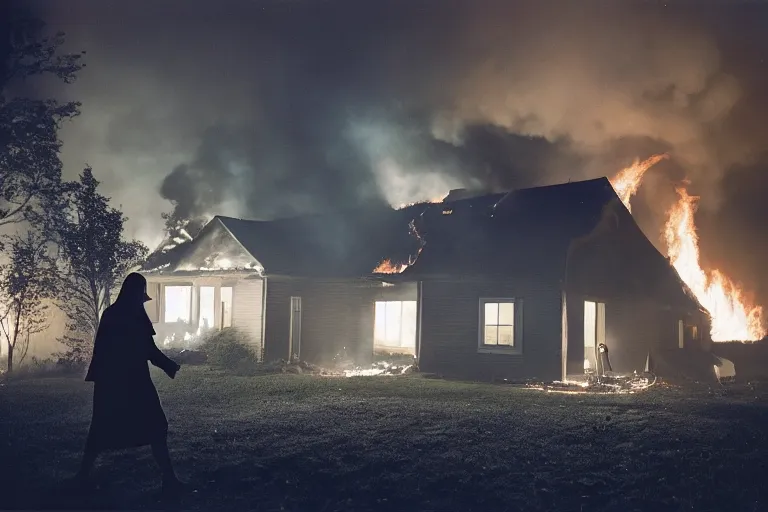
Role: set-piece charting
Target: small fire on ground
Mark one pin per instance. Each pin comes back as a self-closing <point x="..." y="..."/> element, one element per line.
<point x="733" y="317"/>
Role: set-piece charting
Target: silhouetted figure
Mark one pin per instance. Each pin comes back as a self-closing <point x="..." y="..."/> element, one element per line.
<point x="126" y="408"/>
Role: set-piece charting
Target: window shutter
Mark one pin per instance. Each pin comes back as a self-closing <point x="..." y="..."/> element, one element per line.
<point x="519" y="324"/>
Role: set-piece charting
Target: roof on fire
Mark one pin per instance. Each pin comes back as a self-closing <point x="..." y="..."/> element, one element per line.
<point x="521" y="232"/>
<point x="341" y="244"/>
<point x="529" y="232"/>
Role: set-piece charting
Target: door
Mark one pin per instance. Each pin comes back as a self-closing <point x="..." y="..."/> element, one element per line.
<point x="594" y="333"/>
<point x="294" y="340"/>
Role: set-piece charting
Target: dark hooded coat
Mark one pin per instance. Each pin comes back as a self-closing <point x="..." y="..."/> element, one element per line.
<point x="126" y="408"/>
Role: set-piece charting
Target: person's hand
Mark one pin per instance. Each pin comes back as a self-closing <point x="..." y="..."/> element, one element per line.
<point x="176" y="368"/>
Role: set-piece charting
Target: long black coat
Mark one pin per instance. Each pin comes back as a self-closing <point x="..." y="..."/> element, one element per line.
<point x="126" y="408"/>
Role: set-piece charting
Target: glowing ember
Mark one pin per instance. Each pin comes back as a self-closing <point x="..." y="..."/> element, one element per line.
<point x="387" y="267"/>
<point x="434" y="200"/>
<point x="628" y="180"/>
<point x="732" y="319"/>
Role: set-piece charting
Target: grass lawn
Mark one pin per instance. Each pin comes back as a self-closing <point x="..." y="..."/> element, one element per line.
<point x="294" y="442"/>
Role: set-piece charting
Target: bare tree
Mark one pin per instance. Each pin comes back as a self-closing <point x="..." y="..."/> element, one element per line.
<point x="27" y="281"/>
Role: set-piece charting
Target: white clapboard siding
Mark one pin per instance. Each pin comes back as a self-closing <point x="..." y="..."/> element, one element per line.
<point x="247" y="309"/>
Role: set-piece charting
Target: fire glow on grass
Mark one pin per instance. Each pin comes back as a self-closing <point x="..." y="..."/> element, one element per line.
<point x="732" y="317"/>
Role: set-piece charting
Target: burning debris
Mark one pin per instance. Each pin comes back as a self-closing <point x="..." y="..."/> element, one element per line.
<point x="623" y="384"/>
<point x="732" y="317"/>
<point x="381" y="368"/>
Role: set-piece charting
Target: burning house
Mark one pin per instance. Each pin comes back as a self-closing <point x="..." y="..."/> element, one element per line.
<point x="299" y="287"/>
<point x="520" y="285"/>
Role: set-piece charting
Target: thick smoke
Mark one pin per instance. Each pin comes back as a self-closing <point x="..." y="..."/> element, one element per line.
<point x="264" y="109"/>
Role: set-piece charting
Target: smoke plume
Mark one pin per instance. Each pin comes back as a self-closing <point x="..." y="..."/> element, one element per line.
<point x="263" y="108"/>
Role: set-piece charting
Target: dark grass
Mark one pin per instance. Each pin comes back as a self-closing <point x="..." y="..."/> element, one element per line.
<point x="295" y="442"/>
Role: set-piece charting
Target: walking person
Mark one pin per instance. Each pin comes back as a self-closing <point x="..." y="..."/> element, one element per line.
<point x="126" y="408"/>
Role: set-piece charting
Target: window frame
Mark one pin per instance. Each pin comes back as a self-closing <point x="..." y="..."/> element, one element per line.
<point x="517" y="343"/>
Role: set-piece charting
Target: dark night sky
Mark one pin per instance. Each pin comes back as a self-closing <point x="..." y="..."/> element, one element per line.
<point x="263" y="108"/>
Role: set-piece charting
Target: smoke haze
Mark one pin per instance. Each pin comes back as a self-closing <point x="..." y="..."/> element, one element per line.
<point x="263" y="108"/>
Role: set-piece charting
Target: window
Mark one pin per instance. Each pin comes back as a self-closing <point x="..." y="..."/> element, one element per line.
<point x="178" y="304"/>
<point x="207" y="308"/>
<point x="395" y="325"/>
<point x="501" y="326"/>
<point x="226" y="306"/>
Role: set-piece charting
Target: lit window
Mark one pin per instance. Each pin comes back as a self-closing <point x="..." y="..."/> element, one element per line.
<point x="226" y="306"/>
<point x="178" y="304"/>
<point x="395" y="325"/>
<point x="207" y="308"/>
<point x="498" y="325"/>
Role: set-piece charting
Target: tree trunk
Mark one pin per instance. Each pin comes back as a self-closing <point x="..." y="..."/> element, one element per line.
<point x="10" y="358"/>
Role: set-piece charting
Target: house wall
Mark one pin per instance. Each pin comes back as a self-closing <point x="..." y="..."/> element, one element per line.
<point x="619" y="266"/>
<point x="450" y="330"/>
<point x="247" y="308"/>
<point x="337" y="317"/>
<point x="247" y="304"/>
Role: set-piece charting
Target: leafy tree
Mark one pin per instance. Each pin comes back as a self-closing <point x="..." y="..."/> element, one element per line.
<point x="96" y="259"/>
<point x="30" y="167"/>
<point x="27" y="281"/>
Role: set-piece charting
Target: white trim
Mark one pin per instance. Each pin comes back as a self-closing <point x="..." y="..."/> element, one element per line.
<point x="482" y="348"/>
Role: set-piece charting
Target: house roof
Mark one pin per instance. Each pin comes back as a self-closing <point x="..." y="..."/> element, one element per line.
<point x="521" y="231"/>
<point x="529" y="233"/>
<point x="525" y="232"/>
<point x="349" y="243"/>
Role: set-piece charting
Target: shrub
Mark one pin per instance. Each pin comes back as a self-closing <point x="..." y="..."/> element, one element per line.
<point x="39" y="368"/>
<point x="228" y="349"/>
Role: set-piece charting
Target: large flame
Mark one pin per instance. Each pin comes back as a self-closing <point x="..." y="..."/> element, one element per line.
<point x="628" y="180"/>
<point x="732" y="318"/>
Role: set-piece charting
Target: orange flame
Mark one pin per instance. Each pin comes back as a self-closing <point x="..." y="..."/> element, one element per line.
<point x="387" y="267"/>
<point x="732" y="319"/>
<point x="434" y="200"/>
<point x="628" y="180"/>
